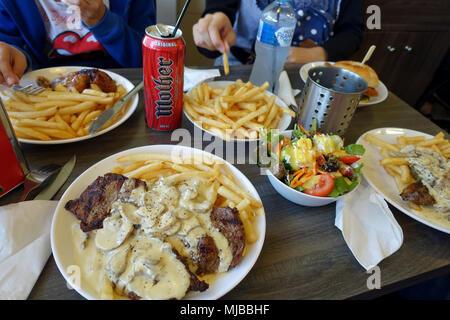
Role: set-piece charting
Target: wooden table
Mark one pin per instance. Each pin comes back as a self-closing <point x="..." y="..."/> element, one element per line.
<point x="304" y="255"/>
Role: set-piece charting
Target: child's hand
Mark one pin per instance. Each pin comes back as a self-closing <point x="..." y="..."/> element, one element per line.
<point x="91" y="11"/>
<point x="13" y="64"/>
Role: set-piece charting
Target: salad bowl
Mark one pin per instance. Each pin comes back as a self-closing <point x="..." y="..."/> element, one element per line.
<point x="312" y="199"/>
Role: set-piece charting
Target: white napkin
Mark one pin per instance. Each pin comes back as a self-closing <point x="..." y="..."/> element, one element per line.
<point x="285" y="91"/>
<point x="192" y="77"/>
<point x="368" y="226"/>
<point x="24" y="246"/>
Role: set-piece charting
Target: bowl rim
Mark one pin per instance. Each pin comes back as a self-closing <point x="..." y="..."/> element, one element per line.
<point x="268" y="172"/>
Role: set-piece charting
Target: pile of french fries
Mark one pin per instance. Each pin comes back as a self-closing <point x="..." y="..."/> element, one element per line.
<point x="176" y="169"/>
<point x="237" y="111"/>
<point x="59" y="114"/>
<point x="398" y="167"/>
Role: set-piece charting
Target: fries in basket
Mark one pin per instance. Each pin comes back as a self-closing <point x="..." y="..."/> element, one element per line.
<point x="60" y="113"/>
<point x="237" y="111"/>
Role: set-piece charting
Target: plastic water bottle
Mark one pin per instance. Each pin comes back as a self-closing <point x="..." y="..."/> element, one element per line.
<point x="276" y="29"/>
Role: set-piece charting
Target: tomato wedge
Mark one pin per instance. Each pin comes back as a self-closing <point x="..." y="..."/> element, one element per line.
<point x="323" y="187"/>
<point x="349" y="159"/>
<point x="280" y="145"/>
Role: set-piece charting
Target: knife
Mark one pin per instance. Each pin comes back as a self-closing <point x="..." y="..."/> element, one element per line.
<point x="48" y="192"/>
<point x="104" y="117"/>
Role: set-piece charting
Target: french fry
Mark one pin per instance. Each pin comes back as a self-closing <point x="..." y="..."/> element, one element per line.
<point x="413" y="140"/>
<point x="380" y="143"/>
<point x="78" y="97"/>
<point x="250" y="232"/>
<point x="32" y="133"/>
<point x="94" y="92"/>
<point x="144" y="169"/>
<point x="56" y="133"/>
<point x="249" y="117"/>
<point x="227" y="193"/>
<point x="214" y="123"/>
<point x="40" y="123"/>
<point x="151" y="156"/>
<point x="394" y="161"/>
<point x="78" y="108"/>
<point x="226" y="66"/>
<point x="430" y="142"/>
<point x="33" y="114"/>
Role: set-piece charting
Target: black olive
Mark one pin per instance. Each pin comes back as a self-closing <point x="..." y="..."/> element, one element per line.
<point x="331" y="165"/>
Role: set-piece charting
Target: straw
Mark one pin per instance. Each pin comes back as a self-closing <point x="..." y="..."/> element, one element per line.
<point x="368" y="54"/>
<point x="186" y="4"/>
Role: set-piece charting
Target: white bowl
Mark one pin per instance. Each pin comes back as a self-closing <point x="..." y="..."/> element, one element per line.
<point x="298" y="197"/>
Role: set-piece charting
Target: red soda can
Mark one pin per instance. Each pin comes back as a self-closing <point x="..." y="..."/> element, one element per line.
<point x="163" y="77"/>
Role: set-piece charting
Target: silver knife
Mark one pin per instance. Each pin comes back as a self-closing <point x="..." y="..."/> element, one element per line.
<point x="48" y="192"/>
<point x="109" y="113"/>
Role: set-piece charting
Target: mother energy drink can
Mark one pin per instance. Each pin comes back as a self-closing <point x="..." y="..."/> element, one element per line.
<point x="163" y="76"/>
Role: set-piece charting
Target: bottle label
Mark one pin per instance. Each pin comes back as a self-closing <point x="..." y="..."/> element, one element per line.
<point x="277" y="36"/>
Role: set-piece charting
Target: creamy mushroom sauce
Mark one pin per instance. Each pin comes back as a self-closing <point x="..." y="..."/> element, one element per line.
<point x="434" y="173"/>
<point x="132" y="253"/>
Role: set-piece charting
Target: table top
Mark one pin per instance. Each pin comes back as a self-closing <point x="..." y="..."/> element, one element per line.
<point x="304" y="255"/>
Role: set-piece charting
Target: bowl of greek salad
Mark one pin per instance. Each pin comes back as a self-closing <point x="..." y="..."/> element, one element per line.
<point x="311" y="168"/>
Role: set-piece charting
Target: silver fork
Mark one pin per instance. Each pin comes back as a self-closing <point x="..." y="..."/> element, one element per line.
<point x="38" y="178"/>
<point x="32" y="89"/>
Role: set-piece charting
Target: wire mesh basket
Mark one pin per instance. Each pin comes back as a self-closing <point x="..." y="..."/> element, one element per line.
<point x="331" y="96"/>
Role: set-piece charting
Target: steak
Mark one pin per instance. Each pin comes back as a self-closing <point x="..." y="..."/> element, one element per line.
<point x="207" y="258"/>
<point x="229" y="223"/>
<point x="95" y="202"/>
<point x="418" y="194"/>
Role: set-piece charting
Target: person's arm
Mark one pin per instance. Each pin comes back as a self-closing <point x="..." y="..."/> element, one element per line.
<point x="227" y="7"/>
<point x="348" y="31"/>
<point x="123" y="39"/>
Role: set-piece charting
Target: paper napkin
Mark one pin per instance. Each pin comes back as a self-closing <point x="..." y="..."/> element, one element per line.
<point x="192" y="77"/>
<point x="285" y="91"/>
<point x="368" y="226"/>
<point x="24" y="246"/>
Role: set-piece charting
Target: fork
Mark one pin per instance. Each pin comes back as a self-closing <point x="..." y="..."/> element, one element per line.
<point x="32" y="89"/>
<point x="38" y="178"/>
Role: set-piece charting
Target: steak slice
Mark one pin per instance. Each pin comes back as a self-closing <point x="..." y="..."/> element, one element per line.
<point x="207" y="258"/>
<point x="95" y="202"/>
<point x="195" y="283"/>
<point x="229" y="223"/>
<point x="418" y="194"/>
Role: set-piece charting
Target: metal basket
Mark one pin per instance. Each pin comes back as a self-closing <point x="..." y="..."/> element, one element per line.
<point x="330" y="96"/>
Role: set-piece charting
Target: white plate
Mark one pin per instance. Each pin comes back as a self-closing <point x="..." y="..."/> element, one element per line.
<point x="284" y="123"/>
<point x="53" y="73"/>
<point x="61" y="235"/>
<point x="381" y="89"/>
<point x="385" y="184"/>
